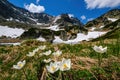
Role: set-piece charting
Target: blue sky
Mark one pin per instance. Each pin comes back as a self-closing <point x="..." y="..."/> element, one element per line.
<point x="84" y="10"/>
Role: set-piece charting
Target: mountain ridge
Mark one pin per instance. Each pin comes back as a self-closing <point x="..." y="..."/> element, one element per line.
<point x="103" y="20"/>
<point x="63" y="27"/>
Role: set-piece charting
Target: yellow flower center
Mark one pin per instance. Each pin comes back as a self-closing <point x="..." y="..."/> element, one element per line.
<point x="65" y="66"/>
<point x="20" y="65"/>
<point x="53" y="68"/>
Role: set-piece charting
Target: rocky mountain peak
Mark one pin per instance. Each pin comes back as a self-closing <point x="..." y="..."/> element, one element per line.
<point x="66" y="20"/>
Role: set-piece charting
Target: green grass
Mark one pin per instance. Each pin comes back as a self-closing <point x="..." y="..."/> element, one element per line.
<point x="84" y="61"/>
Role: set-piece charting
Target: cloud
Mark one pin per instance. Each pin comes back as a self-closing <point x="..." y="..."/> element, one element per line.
<point x="34" y="8"/>
<point x="70" y="15"/>
<point x="37" y="1"/>
<point x="90" y="19"/>
<point x="83" y="17"/>
<point x="91" y="4"/>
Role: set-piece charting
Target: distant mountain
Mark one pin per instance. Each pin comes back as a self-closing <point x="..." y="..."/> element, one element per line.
<point x="105" y="19"/>
<point x="113" y="31"/>
<point x="66" y="20"/>
<point x="10" y="12"/>
<point x="64" y="26"/>
<point x="61" y="28"/>
<point x="39" y="24"/>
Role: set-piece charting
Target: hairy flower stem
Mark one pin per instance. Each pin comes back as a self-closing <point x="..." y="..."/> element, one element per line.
<point x="43" y="76"/>
<point x="99" y="60"/>
<point x="99" y="65"/>
<point x="60" y="76"/>
<point x="25" y="74"/>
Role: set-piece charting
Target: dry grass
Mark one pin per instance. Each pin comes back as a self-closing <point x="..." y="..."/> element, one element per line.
<point x="16" y="53"/>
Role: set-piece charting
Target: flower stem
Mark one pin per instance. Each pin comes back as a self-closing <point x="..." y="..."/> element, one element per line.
<point x="25" y="74"/>
<point x="43" y="76"/>
<point x="60" y="76"/>
<point x="99" y="60"/>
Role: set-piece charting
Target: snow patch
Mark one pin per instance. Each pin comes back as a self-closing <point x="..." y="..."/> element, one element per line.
<point x="39" y="23"/>
<point x="57" y="17"/>
<point x="10" y="32"/>
<point x="80" y="37"/>
<point x="93" y="28"/>
<point x="14" y="44"/>
<point x="17" y="20"/>
<point x="112" y="19"/>
<point x="70" y="15"/>
<point x="54" y="28"/>
<point x="41" y="39"/>
<point x="10" y="19"/>
<point x="33" y="19"/>
<point x="101" y="27"/>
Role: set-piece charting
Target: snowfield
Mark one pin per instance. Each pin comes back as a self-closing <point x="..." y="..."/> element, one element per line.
<point x="15" y="32"/>
<point x="14" y="44"/>
<point x="80" y="37"/>
<point x="10" y="32"/>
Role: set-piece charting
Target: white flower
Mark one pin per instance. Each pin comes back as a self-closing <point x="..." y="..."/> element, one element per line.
<point x="42" y="47"/>
<point x="100" y="49"/>
<point x="31" y="54"/>
<point x="65" y="64"/>
<point x="47" y="60"/>
<point x="53" y="67"/>
<point x="19" y="65"/>
<point x="35" y="50"/>
<point x="47" y="53"/>
<point x="57" y="53"/>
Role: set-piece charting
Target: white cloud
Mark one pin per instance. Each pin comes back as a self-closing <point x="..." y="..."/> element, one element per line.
<point x="90" y="19"/>
<point x="83" y="17"/>
<point x="70" y="15"/>
<point x="91" y="4"/>
<point x="37" y="1"/>
<point x="34" y="8"/>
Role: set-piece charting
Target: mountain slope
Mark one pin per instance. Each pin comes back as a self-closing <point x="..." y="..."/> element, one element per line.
<point x="103" y="20"/>
<point x="39" y="24"/>
<point x="12" y="13"/>
<point x="114" y="33"/>
<point x="64" y="27"/>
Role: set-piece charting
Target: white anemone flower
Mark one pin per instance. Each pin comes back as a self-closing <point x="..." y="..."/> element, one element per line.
<point x="47" y="53"/>
<point x="100" y="49"/>
<point x="19" y="65"/>
<point x="35" y="50"/>
<point x="47" y="60"/>
<point x="42" y="47"/>
<point x="57" y="53"/>
<point x="53" y="67"/>
<point x="65" y="64"/>
<point x="31" y="54"/>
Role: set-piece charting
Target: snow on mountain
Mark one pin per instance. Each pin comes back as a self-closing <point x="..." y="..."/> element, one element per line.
<point x="93" y="28"/>
<point x="39" y="24"/>
<point x="70" y="15"/>
<point x="101" y="26"/>
<point x="54" y="28"/>
<point x="112" y="19"/>
<point x="56" y="18"/>
<point x="10" y="32"/>
<point x="33" y="19"/>
<point x="80" y="37"/>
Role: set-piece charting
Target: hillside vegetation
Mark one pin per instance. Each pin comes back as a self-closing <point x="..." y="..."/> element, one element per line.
<point x="84" y="61"/>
